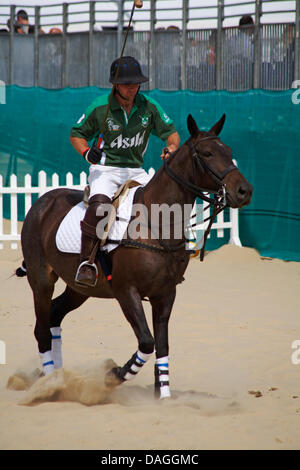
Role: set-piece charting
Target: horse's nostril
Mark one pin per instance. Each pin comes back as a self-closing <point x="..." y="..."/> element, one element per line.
<point x="244" y="190"/>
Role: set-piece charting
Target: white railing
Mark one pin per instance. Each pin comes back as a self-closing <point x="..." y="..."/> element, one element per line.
<point x="28" y="190"/>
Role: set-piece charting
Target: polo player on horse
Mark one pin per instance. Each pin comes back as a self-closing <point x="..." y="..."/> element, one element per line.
<point x="117" y="155"/>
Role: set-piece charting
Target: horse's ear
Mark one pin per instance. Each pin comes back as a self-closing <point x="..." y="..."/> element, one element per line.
<point x="192" y="126"/>
<point x="216" y="129"/>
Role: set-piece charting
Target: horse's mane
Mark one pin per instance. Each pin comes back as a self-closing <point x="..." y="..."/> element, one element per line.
<point x="169" y="159"/>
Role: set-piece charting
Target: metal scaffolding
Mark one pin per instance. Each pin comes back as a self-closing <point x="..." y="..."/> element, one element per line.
<point x="172" y="50"/>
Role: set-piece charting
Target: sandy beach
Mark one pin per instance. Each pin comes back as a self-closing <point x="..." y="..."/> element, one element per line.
<point x="232" y="375"/>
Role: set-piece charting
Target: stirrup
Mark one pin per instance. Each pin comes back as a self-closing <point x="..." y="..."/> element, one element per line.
<point x="91" y="265"/>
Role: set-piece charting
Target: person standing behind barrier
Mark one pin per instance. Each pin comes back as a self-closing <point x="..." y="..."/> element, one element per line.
<point x="238" y="56"/>
<point x="22" y="25"/>
<point x="283" y="57"/>
<point x="132" y="117"/>
<point x="55" y="31"/>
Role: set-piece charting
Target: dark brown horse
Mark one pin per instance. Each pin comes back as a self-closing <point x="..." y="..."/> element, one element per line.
<point x="147" y="268"/>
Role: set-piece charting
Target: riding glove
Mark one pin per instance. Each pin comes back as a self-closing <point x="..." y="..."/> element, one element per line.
<point x="92" y="155"/>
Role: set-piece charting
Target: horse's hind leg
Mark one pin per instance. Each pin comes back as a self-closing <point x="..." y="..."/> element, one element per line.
<point x="43" y="287"/>
<point x="66" y="302"/>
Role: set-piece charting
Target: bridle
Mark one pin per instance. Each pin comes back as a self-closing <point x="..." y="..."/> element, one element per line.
<point x="219" y="200"/>
<point x="199" y="161"/>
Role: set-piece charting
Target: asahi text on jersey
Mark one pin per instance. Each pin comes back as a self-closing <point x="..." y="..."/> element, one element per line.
<point x="127" y="142"/>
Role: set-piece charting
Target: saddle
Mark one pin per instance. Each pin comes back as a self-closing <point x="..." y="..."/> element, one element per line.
<point x="119" y="196"/>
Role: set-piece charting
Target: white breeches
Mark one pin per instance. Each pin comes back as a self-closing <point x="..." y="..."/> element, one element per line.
<point x="107" y="179"/>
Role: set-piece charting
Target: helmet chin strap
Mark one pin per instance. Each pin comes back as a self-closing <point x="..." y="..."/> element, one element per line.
<point x="123" y="97"/>
<point x="118" y="93"/>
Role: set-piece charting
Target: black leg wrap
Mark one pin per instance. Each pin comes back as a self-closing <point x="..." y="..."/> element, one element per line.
<point x="129" y="370"/>
<point x="127" y="367"/>
<point x="156" y="382"/>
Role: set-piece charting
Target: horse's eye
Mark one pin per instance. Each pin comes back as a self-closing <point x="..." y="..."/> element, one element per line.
<point x="207" y="154"/>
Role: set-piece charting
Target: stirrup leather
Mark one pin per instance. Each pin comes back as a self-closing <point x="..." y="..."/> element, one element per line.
<point x="91" y="265"/>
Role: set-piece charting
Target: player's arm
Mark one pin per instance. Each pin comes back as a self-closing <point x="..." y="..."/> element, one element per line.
<point x="173" y="142"/>
<point x="83" y="131"/>
<point x="91" y="155"/>
<point x="80" y="144"/>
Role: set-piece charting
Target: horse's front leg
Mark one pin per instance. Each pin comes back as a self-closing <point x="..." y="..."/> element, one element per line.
<point x="132" y="307"/>
<point x="161" y="311"/>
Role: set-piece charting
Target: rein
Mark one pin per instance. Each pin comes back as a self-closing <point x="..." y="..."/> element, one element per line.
<point x="219" y="200"/>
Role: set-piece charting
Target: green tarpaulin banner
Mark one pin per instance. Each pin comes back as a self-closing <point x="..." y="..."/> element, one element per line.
<point x="262" y="128"/>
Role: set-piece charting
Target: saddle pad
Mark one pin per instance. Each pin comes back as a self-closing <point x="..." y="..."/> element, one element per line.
<point x="68" y="236"/>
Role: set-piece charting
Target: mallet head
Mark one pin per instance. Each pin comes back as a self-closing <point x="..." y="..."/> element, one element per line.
<point x="138" y="3"/>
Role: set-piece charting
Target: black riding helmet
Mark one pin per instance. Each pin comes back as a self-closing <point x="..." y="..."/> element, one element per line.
<point x="130" y="72"/>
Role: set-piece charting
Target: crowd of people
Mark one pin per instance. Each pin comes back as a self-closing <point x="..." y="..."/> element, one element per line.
<point x="238" y="51"/>
<point x="277" y="55"/>
<point x="22" y="25"/>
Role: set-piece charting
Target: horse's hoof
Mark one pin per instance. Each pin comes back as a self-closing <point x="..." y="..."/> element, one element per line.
<point x="113" y="377"/>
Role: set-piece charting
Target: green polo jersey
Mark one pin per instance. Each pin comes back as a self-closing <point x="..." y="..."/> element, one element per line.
<point x="125" y="136"/>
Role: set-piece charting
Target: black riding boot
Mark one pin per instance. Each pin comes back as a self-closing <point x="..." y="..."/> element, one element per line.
<point x="87" y="272"/>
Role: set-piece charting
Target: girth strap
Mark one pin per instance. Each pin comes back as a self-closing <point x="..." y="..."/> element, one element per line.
<point x="148" y="246"/>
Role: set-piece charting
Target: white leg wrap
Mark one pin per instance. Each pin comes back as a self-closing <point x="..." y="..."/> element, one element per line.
<point x="135" y="367"/>
<point x="47" y="362"/>
<point x="163" y="366"/>
<point x="56" y="346"/>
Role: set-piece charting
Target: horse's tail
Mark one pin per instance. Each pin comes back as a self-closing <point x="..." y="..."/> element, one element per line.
<point x="21" y="271"/>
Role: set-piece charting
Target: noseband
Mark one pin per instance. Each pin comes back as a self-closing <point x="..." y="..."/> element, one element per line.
<point x="219" y="200"/>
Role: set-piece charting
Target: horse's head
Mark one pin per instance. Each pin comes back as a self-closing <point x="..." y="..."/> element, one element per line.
<point x="214" y="166"/>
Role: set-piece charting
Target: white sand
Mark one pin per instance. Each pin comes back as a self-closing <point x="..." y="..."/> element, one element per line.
<point x="231" y="331"/>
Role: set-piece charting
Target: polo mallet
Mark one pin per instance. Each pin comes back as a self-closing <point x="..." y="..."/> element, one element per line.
<point x="138" y="4"/>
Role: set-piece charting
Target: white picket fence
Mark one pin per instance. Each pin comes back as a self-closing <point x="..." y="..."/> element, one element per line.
<point x="13" y="237"/>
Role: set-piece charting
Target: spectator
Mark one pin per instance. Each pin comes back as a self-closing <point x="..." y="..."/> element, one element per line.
<point x="201" y="61"/>
<point x="289" y="54"/>
<point x="278" y="57"/>
<point x="173" y="28"/>
<point x="55" y="31"/>
<point x="211" y="49"/>
<point x="282" y="58"/>
<point x="22" y="26"/>
<point x="247" y="21"/>
<point x="238" y="56"/>
<point x="167" y="45"/>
